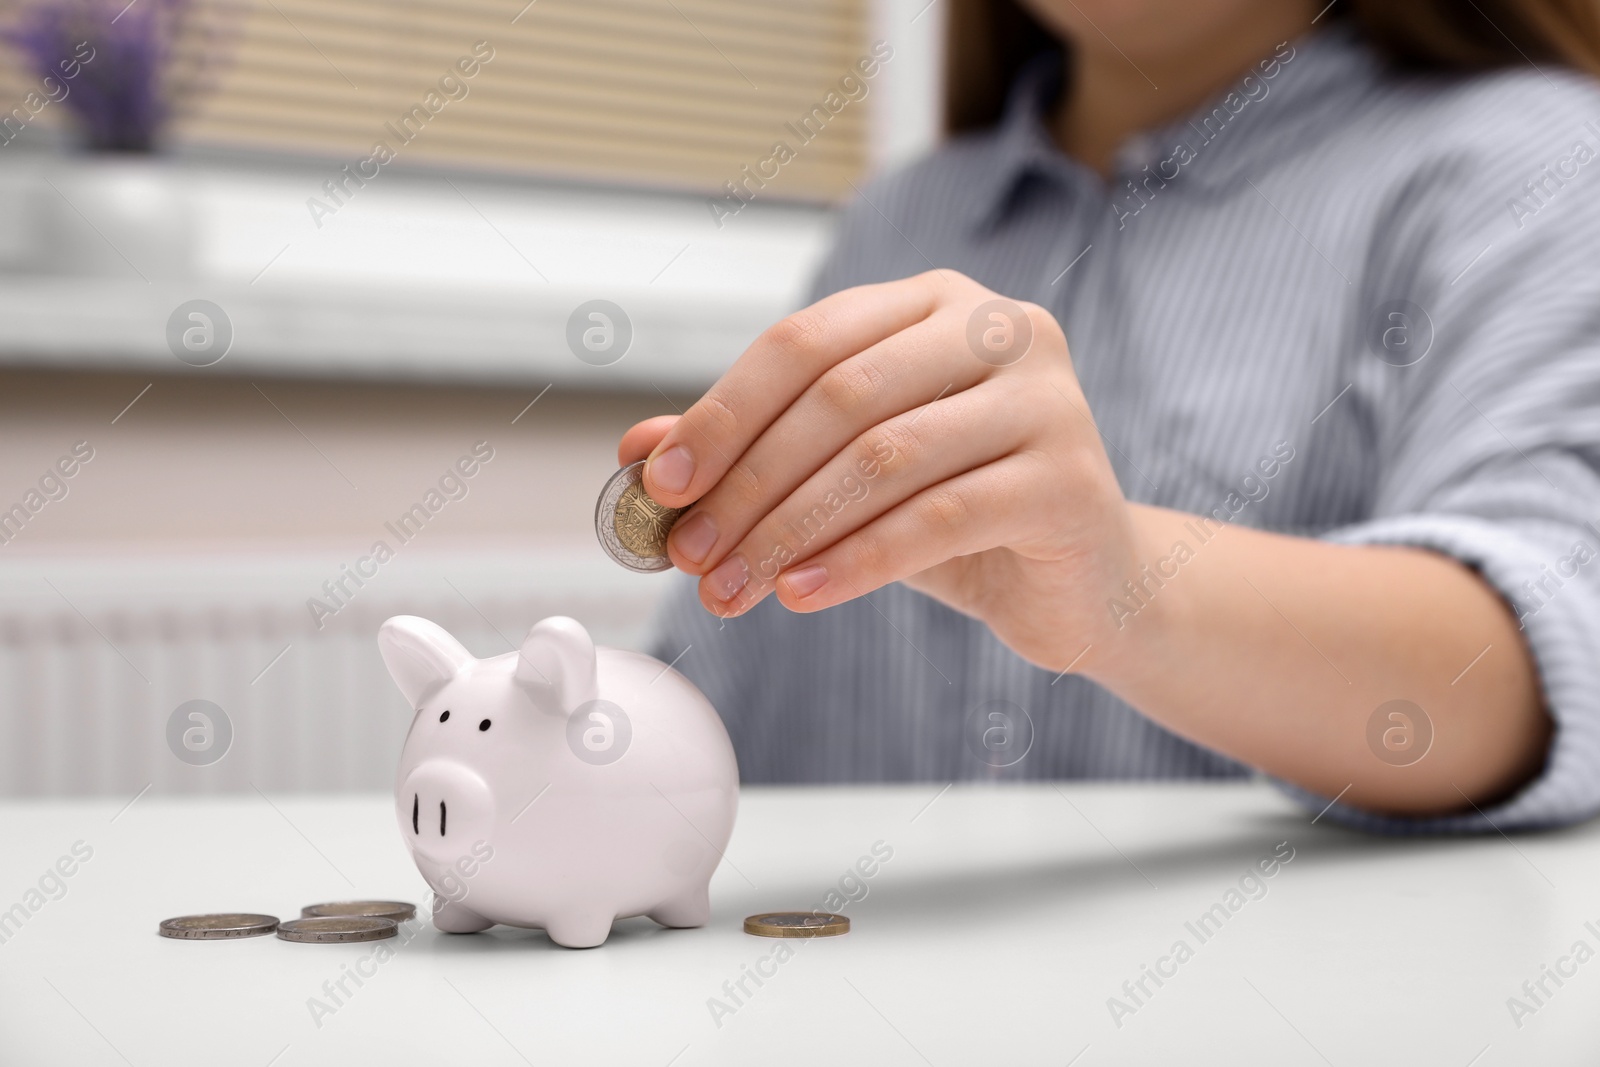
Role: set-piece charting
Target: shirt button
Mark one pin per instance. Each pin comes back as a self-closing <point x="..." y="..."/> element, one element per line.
<point x="1136" y="153"/>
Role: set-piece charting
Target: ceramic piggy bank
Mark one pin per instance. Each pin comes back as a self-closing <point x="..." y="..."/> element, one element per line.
<point x="561" y="786"/>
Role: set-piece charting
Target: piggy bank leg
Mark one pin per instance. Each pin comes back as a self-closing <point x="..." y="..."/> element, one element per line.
<point x="581" y="930"/>
<point x="453" y="918"/>
<point x="691" y="909"/>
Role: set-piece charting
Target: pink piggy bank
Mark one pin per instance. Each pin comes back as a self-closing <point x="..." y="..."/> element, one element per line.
<point x="561" y="786"/>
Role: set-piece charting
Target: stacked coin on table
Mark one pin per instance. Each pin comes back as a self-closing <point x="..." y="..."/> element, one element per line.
<point x="398" y="910"/>
<point x="337" y="922"/>
<point x="337" y="929"/>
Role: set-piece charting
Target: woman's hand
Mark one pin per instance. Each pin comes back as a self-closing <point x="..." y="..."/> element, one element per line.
<point x="930" y="432"/>
<point x="925" y="431"/>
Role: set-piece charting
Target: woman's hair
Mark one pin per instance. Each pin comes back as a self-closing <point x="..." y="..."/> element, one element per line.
<point x="988" y="41"/>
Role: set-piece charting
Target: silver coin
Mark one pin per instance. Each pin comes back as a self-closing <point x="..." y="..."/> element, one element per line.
<point x="337" y="929"/>
<point x="633" y="528"/>
<point x="398" y="910"/>
<point x="221" y="927"/>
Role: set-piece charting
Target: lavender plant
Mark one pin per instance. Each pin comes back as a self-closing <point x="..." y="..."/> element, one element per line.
<point x="150" y="57"/>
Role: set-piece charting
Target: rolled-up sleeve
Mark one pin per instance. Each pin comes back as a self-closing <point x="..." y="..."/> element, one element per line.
<point x="1490" y="449"/>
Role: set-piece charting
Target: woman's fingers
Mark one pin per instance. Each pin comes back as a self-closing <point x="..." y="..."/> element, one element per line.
<point x="714" y="433"/>
<point x="901" y="374"/>
<point x="872" y="475"/>
<point x="642" y="438"/>
<point x="970" y="513"/>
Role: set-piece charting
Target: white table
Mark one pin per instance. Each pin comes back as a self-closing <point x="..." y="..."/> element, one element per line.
<point x="997" y="932"/>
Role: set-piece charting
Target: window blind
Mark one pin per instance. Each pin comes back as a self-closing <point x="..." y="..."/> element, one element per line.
<point x="675" y="93"/>
<point x="672" y="92"/>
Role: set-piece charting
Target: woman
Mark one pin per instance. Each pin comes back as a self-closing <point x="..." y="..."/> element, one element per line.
<point x="1223" y="395"/>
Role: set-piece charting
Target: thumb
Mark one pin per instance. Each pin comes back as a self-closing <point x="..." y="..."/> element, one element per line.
<point x="642" y="438"/>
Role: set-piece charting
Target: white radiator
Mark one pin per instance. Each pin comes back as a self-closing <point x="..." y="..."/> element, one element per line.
<point x="97" y="653"/>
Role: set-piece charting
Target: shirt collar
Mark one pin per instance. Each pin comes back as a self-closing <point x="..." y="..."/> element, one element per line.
<point x="1021" y="146"/>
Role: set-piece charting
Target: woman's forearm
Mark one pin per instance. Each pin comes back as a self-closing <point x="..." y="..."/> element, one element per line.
<point x="1279" y="651"/>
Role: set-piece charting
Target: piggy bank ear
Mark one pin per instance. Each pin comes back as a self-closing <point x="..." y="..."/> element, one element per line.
<point x="558" y="661"/>
<point x="419" y="655"/>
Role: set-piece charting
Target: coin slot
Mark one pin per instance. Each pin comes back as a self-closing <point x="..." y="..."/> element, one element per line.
<point x="441" y="818"/>
<point x="416" y="806"/>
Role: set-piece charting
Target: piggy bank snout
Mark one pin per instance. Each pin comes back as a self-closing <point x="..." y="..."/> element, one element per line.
<point x="445" y="809"/>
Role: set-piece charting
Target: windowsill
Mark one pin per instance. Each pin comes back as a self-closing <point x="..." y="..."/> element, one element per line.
<point x="415" y="275"/>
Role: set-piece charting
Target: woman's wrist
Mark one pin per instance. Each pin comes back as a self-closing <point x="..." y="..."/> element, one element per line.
<point x="1143" y="617"/>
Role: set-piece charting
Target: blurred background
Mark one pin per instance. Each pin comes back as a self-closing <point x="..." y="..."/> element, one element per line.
<point x="278" y="273"/>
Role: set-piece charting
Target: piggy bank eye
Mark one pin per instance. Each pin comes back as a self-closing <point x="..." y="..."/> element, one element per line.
<point x="444" y="716"/>
<point x="484" y="725"/>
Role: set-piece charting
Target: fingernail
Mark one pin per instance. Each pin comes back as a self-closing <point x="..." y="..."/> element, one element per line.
<point x="807" y="580"/>
<point x="672" y="470"/>
<point x="694" y="537"/>
<point x="729" y="577"/>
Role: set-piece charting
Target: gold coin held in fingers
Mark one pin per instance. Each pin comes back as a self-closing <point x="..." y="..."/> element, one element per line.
<point x="642" y="524"/>
<point x="796" y="924"/>
<point x="631" y="527"/>
<point x="221" y="927"/>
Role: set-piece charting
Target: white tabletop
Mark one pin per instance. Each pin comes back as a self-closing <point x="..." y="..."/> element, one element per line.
<point x="997" y="932"/>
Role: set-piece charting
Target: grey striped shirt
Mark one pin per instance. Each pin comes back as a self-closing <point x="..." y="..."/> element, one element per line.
<point x="1383" y="288"/>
